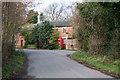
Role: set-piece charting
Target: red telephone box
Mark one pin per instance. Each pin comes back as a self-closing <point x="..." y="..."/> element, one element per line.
<point x="60" y="42"/>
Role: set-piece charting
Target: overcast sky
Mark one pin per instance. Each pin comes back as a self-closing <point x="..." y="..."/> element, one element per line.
<point x="44" y="3"/>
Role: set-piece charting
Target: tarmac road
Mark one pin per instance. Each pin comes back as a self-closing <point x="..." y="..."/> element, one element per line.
<point x="54" y="64"/>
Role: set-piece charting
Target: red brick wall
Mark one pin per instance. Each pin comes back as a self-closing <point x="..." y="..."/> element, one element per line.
<point x="69" y="42"/>
<point x="69" y="29"/>
<point x="18" y="39"/>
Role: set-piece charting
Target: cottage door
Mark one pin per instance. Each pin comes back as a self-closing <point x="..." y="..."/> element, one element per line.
<point x="21" y="43"/>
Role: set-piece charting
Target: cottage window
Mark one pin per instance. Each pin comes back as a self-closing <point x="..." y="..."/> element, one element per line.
<point x="64" y="40"/>
<point x="64" y="30"/>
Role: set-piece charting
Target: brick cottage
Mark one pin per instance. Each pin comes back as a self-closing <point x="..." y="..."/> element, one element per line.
<point x="20" y="41"/>
<point x="65" y="40"/>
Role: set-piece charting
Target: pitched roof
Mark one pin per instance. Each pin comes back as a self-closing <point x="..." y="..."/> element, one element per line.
<point x="59" y="23"/>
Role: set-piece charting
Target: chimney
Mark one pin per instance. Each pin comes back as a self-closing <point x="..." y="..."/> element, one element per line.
<point x="39" y="18"/>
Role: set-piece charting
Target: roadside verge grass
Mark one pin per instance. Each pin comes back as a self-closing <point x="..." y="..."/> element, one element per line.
<point x="98" y="61"/>
<point x="13" y="64"/>
<point x="71" y="49"/>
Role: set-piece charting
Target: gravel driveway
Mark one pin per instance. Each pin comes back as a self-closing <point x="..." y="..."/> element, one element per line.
<point x="54" y="64"/>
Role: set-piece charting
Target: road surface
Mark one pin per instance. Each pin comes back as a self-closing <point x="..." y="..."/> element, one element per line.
<point x="54" y="64"/>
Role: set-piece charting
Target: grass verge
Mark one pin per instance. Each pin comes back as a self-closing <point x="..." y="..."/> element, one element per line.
<point x="13" y="64"/>
<point x="32" y="46"/>
<point x="101" y="63"/>
<point x="71" y="49"/>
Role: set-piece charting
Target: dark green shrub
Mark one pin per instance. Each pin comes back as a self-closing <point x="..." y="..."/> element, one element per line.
<point x="54" y="46"/>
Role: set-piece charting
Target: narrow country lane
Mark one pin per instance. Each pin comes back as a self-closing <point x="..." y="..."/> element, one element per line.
<point x="54" y="64"/>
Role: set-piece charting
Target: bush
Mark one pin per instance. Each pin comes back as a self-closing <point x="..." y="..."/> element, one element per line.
<point x="41" y="34"/>
<point x="97" y="31"/>
<point x="45" y="46"/>
<point x="54" y="46"/>
<point x="26" y="45"/>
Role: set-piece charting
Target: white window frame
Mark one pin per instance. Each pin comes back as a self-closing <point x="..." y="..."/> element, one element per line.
<point x="64" y="28"/>
<point x="65" y="38"/>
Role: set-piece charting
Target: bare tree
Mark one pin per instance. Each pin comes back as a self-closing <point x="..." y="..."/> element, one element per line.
<point x="13" y="16"/>
<point x="55" y="11"/>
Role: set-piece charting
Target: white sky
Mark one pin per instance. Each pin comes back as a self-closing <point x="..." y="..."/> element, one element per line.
<point x="45" y="3"/>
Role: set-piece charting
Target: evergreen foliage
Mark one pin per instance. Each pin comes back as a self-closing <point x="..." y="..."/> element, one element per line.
<point x="25" y="32"/>
<point x="53" y="39"/>
<point x="41" y="34"/>
<point x="100" y="31"/>
<point x="32" y="17"/>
